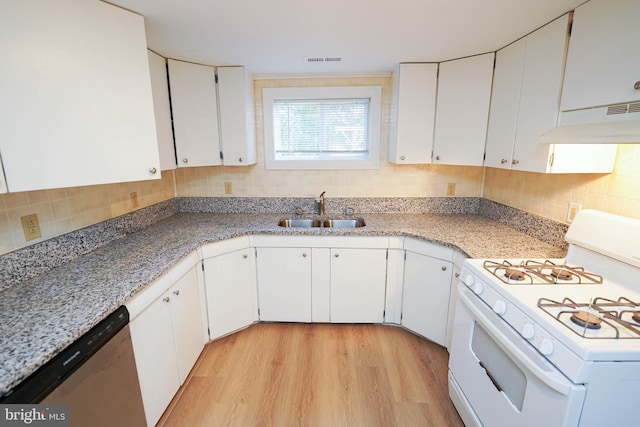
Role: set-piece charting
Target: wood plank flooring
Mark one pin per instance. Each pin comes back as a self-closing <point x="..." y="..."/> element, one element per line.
<point x="280" y="374"/>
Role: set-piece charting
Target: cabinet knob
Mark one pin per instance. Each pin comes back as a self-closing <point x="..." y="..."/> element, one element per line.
<point x="337" y="255"/>
<point x="304" y="255"/>
<point x="166" y="299"/>
<point x="240" y="160"/>
<point x="245" y="256"/>
<point x="444" y="268"/>
<point x="457" y="275"/>
<point x="515" y="162"/>
<point x="176" y="292"/>
<point x="503" y="161"/>
<point x="153" y="170"/>
<point x="185" y="160"/>
<point x="637" y="85"/>
<point x="437" y="157"/>
<point x="402" y="157"/>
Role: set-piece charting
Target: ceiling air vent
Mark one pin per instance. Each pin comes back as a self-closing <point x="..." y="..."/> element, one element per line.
<point x="315" y="59"/>
<point x="633" y="107"/>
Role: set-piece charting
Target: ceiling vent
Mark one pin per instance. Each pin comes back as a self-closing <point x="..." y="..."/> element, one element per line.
<point x="316" y="59"/>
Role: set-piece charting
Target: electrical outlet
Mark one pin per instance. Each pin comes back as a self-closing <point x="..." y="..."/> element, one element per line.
<point x="573" y="210"/>
<point x="31" y="226"/>
<point x="451" y="189"/>
<point x="228" y="187"/>
<point x="134" y="199"/>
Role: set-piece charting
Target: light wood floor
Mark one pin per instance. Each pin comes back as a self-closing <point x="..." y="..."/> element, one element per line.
<point x="278" y="374"/>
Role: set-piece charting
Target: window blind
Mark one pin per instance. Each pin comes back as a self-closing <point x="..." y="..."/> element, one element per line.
<point x="321" y="128"/>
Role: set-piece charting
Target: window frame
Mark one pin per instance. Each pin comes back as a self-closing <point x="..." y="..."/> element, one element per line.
<point x="374" y="93"/>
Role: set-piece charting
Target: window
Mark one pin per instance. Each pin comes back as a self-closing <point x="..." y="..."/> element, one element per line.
<point x="322" y="127"/>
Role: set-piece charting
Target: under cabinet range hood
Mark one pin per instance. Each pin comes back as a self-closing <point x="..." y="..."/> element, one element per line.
<point x="610" y="124"/>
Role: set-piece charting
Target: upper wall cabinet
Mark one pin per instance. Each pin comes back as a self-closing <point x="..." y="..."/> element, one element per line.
<point x="524" y="105"/>
<point x="462" y="110"/>
<point x="77" y="107"/>
<point x="212" y="115"/>
<point x="162" y="107"/>
<point x="413" y="109"/>
<point x="195" y="113"/>
<point x="603" y="64"/>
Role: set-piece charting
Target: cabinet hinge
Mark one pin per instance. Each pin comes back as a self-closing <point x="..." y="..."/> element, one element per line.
<point x="221" y="156"/>
<point x="405" y="255"/>
<point x="258" y="313"/>
<point x="202" y="265"/>
<point x="216" y="78"/>
<point x="401" y="314"/>
<point x="551" y="158"/>
<point x="570" y="28"/>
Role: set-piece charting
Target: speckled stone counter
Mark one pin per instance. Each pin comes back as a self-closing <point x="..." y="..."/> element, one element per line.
<point x="42" y="315"/>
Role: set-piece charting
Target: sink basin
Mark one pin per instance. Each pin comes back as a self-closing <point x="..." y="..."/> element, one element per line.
<point x="298" y="222"/>
<point x="327" y="223"/>
<point x="344" y="223"/>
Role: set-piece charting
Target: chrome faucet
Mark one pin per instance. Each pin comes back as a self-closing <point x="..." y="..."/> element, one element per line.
<point x="320" y="203"/>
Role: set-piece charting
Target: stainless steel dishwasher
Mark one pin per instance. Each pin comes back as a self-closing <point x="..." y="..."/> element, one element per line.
<point x="96" y="376"/>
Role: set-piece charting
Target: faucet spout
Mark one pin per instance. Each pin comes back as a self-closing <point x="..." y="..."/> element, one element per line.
<point x="320" y="202"/>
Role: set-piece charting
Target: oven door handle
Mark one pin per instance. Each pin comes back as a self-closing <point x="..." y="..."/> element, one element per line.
<point x="553" y="379"/>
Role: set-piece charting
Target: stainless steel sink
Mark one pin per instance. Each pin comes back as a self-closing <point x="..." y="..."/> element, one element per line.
<point x="343" y="223"/>
<point x="327" y="223"/>
<point x="299" y="222"/>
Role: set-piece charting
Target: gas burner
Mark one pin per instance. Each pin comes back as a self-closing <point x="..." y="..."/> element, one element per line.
<point x="600" y="318"/>
<point x="561" y="274"/>
<point x="514" y="274"/>
<point x="586" y="320"/>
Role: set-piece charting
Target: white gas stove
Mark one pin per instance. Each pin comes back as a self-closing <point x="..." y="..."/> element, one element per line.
<point x="580" y="314"/>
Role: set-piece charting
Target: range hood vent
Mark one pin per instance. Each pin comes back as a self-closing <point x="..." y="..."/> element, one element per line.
<point x="610" y="124"/>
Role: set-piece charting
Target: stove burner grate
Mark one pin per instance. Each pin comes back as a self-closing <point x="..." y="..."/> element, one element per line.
<point x="540" y="272"/>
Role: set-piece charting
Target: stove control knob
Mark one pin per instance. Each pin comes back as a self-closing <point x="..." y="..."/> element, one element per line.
<point x="500" y="307"/>
<point x="546" y="347"/>
<point x="468" y="280"/>
<point x="528" y="331"/>
<point x="477" y="288"/>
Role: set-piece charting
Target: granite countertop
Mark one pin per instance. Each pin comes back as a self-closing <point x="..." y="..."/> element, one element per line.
<point x="41" y="316"/>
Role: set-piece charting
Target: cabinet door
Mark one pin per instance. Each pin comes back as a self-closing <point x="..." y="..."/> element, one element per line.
<point x="195" y="114"/>
<point x="77" y="107"/>
<point x="162" y="108"/>
<point x="603" y="62"/>
<point x="187" y="324"/>
<point x="540" y="95"/>
<point x="425" y="301"/>
<point x="413" y="113"/>
<point x="358" y="285"/>
<point x="284" y="284"/>
<point x="230" y="281"/>
<point x="462" y="110"/>
<point x="505" y="99"/>
<point x="156" y="362"/>
<point x="237" y="128"/>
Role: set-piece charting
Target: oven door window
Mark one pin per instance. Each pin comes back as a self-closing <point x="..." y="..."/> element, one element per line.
<point x="505" y="375"/>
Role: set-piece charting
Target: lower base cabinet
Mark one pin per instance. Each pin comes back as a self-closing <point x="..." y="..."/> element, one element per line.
<point x="358" y="281"/>
<point x="167" y="339"/>
<point x="284" y="278"/>
<point x="230" y="282"/>
<point x="425" y="299"/>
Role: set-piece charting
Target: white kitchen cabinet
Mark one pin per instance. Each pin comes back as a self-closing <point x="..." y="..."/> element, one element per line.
<point x="213" y="115"/>
<point x="524" y="105"/>
<point x="413" y="107"/>
<point x="284" y="284"/>
<point x="426" y="288"/>
<point x="230" y="281"/>
<point x="77" y="106"/>
<point x="237" y="116"/>
<point x="462" y="110"/>
<point x="167" y="338"/>
<point x="358" y="279"/>
<point x="162" y="109"/>
<point x="195" y="113"/>
<point x="603" y="64"/>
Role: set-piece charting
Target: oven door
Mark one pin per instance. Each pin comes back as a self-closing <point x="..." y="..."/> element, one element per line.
<point x="498" y="379"/>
